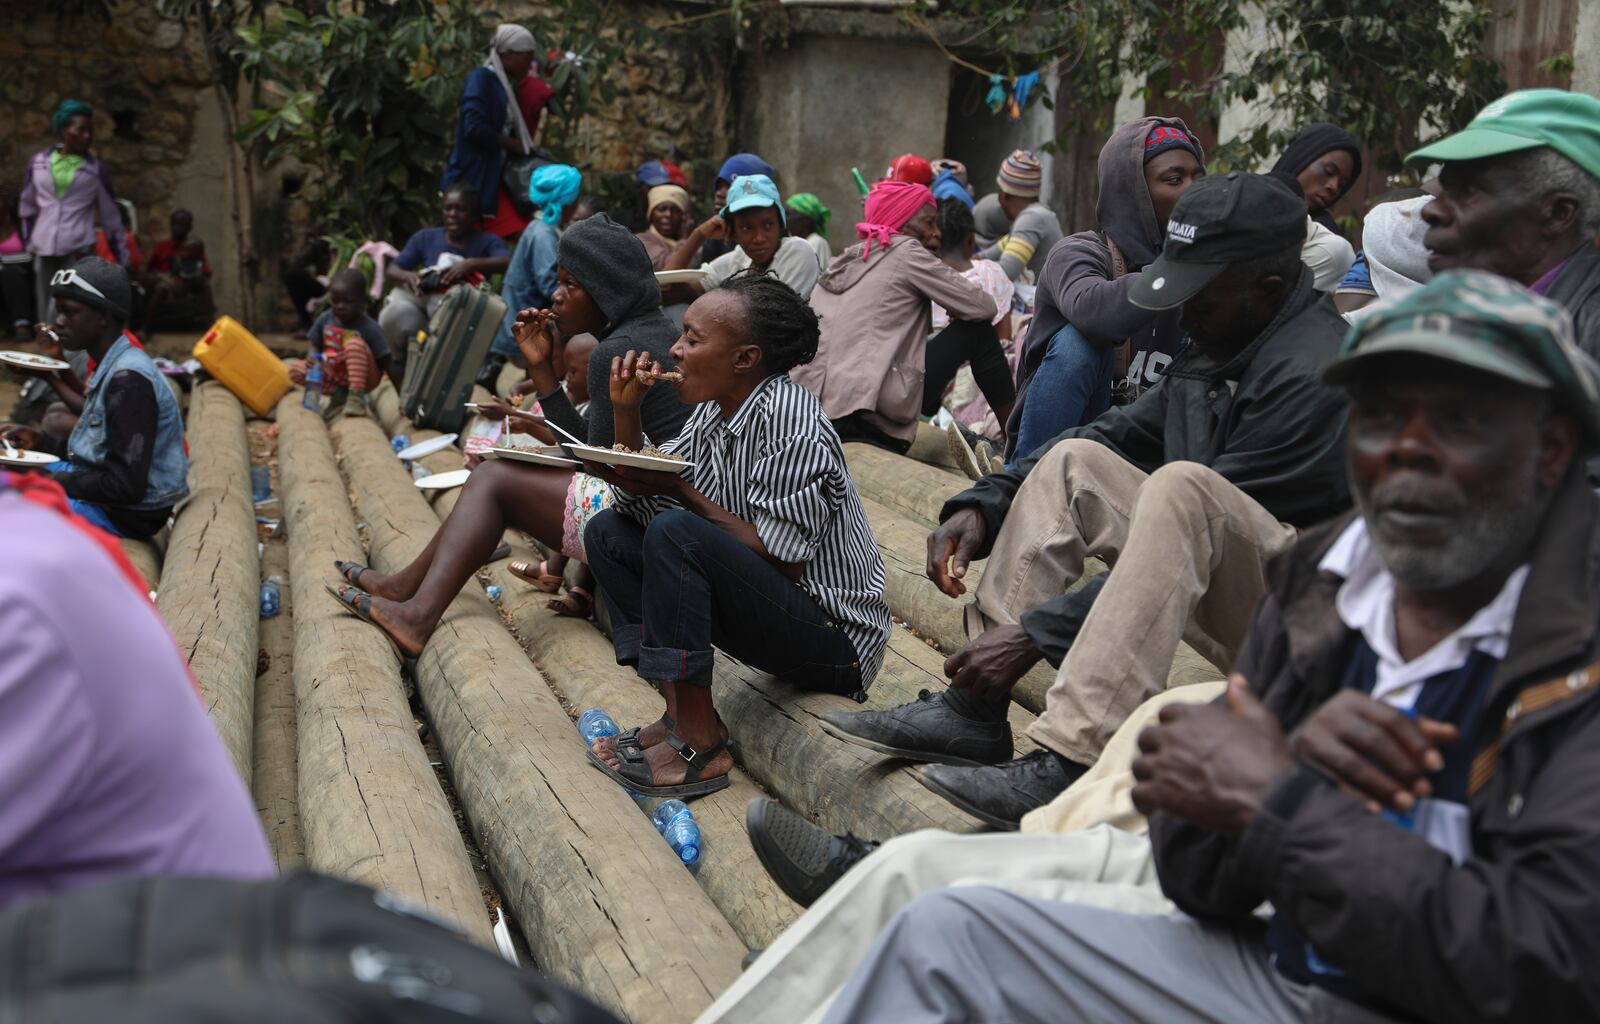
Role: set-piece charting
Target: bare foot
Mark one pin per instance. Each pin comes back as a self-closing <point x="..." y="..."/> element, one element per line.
<point x="383" y="585"/>
<point x="400" y="622"/>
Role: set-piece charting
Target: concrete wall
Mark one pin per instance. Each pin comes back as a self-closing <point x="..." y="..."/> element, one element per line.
<point x="827" y="103"/>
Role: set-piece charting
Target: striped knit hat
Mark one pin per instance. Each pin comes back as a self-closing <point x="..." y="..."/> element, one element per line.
<point x="1020" y="175"/>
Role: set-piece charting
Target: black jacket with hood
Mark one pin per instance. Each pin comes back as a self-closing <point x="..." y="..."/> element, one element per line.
<point x="1263" y="420"/>
<point x="1513" y="933"/>
<point x="613" y="267"/>
<point x="1077" y="285"/>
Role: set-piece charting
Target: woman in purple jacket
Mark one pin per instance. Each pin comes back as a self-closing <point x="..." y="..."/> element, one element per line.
<point x="65" y="191"/>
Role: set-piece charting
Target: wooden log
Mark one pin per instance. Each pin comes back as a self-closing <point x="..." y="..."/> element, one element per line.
<point x="579" y="664"/>
<point x="146" y="560"/>
<point x="274" y="777"/>
<point x="933" y="447"/>
<point x="605" y="905"/>
<point x="371" y="806"/>
<point x="386" y="406"/>
<point x="210" y="578"/>
<point x="914" y="489"/>
<point x="582" y="667"/>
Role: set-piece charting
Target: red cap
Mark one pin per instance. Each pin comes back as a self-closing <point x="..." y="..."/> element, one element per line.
<point x="910" y="168"/>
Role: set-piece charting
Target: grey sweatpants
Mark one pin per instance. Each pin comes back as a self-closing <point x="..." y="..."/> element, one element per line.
<point x="989" y="955"/>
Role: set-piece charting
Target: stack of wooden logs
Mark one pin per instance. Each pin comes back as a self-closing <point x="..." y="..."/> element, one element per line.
<point x="603" y="903"/>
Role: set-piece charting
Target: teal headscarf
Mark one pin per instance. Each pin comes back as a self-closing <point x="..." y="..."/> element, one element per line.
<point x="808" y="205"/>
<point x="68" y="110"/>
<point x="552" y="189"/>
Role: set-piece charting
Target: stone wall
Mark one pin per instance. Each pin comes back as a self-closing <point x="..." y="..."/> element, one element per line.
<point x="157" y="119"/>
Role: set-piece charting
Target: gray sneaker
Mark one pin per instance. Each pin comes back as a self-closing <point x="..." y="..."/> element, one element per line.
<point x="803" y="859"/>
<point x="928" y="729"/>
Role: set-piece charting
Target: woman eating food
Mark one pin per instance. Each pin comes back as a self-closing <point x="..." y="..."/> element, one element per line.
<point x="759" y="547"/>
<point x="605" y="288"/>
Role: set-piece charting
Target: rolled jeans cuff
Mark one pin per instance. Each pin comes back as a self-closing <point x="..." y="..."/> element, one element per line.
<point x="676" y="665"/>
<point x="626" y="641"/>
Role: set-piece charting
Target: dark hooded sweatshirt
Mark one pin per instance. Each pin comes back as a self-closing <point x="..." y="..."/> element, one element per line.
<point x="1077" y="287"/>
<point x="613" y="267"/>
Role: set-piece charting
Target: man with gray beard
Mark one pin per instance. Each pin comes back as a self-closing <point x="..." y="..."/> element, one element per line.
<point x="1403" y="764"/>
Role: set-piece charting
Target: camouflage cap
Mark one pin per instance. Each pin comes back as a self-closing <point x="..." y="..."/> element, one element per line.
<point x="1486" y="322"/>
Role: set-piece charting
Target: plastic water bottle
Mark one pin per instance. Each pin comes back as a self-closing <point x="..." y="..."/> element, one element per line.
<point x="494" y="594"/>
<point x="313" y="396"/>
<point x="676" y="823"/>
<point x="399" y="443"/>
<point x="270" y="598"/>
<point x="593" y="724"/>
<point x="260" y="484"/>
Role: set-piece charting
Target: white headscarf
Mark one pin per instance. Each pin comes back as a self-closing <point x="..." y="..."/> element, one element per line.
<point x="1391" y="238"/>
<point x="511" y="39"/>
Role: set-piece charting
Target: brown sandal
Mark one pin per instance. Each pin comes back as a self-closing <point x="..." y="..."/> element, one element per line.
<point x="540" y="577"/>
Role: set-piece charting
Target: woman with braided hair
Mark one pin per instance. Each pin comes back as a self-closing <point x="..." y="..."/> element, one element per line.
<point x="760" y="548"/>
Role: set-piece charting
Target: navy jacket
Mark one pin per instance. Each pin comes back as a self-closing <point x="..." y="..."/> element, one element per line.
<point x="480" y="121"/>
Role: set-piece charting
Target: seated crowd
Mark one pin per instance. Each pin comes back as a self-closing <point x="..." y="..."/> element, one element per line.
<point x="1359" y="486"/>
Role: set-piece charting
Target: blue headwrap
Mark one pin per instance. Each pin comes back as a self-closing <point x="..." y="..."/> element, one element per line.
<point x="68" y="110"/>
<point x="552" y="188"/>
<point x="740" y="164"/>
<point x="947" y="186"/>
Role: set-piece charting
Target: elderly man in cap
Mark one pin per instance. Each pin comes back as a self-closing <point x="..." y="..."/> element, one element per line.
<point x="1519" y="195"/>
<point x="1403" y="763"/>
<point x="1186" y="492"/>
<point x="124" y="464"/>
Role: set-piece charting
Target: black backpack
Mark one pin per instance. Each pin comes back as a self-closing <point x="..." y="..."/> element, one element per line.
<point x="304" y="948"/>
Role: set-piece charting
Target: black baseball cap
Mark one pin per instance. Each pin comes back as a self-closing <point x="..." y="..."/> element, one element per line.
<point x="1220" y="220"/>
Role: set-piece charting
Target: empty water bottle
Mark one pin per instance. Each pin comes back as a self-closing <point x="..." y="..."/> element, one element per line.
<point x="676" y="823"/>
<point x="270" y="598"/>
<point x="399" y="443"/>
<point x="260" y="484"/>
<point x="313" y="397"/>
<point x="593" y="724"/>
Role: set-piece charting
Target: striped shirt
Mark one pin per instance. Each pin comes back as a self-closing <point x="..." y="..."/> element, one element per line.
<point x="778" y="464"/>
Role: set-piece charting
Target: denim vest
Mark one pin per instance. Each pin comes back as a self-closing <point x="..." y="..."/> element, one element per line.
<point x="169" y="466"/>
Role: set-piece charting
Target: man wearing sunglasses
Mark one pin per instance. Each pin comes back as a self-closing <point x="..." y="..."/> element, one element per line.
<point x="124" y="464"/>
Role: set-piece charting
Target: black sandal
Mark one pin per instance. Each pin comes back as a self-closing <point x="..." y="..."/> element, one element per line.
<point x="635" y="771"/>
<point x="629" y="739"/>
<point x="351" y="571"/>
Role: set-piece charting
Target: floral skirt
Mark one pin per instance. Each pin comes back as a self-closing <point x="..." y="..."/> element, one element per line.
<point x="586" y="497"/>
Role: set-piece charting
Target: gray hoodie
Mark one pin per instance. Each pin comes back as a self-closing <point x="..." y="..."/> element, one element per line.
<point x="1076" y="286"/>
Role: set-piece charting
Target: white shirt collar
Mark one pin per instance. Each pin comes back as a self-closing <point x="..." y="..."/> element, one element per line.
<point x="1365" y="602"/>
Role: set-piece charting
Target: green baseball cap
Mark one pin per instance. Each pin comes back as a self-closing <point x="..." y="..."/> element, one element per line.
<point x="1485" y="322"/>
<point x="1567" y="122"/>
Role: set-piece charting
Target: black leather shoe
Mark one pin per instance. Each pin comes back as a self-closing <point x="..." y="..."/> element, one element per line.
<point x="803" y="859"/>
<point x="1000" y="795"/>
<point x="928" y="729"/>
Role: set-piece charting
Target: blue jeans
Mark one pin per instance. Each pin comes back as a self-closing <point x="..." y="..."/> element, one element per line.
<point x="94" y="515"/>
<point x="682" y="585"/>
<point x="1071" y="387"/>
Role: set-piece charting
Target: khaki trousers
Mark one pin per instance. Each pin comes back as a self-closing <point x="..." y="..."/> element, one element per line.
<point x="797" y="977"/>
<point x="1188" y="550"/>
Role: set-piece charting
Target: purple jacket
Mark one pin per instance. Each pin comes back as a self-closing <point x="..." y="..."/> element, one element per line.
<point x="61" y="227"/>
<point x="109" y="765"/>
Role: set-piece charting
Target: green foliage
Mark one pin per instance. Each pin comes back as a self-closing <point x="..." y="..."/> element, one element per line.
<point x="367" y="100"/>
<point x="367" y="97"/>
<point x="1387" y="72"/>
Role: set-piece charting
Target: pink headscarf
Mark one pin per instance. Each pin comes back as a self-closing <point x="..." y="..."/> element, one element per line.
<point x="889" y="205"/>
